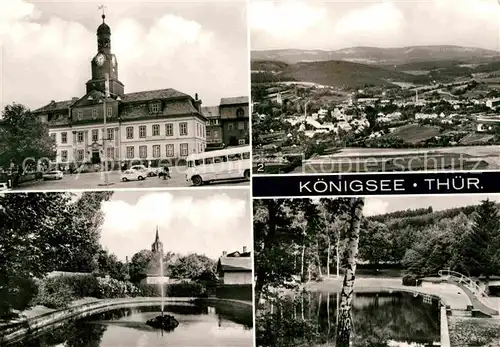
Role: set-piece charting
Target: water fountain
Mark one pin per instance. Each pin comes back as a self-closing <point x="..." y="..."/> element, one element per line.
<point x="165" y="322"/>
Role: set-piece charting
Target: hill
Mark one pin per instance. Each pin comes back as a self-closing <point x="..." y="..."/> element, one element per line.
<point x="376" y="55"/>
<point x="333" y="73"/>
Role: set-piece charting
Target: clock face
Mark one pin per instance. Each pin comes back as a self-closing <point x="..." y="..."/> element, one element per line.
<point x="99" y="59"/>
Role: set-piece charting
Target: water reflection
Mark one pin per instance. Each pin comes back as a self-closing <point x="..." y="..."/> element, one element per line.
<point x="198" y="325"/>
<point x="379" y="320"/>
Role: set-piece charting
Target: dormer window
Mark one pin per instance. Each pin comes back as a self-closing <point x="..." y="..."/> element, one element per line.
<point x="94" y="113"/>
<point x="80" y="115"/>
<point x="155" y="108"/>
<point x="240" y="113"/>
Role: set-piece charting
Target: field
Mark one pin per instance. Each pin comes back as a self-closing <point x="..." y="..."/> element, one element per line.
<point x="476" y="139"/>
<point x="414" y="133"/>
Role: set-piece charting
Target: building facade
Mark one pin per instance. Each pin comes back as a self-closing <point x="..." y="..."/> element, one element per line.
<point x="156" y="125"/>
<point x="235" y="268"/>
<point x="214" y="127"/>
<point x="228" y="123"/>
<point x="235" y="120"/>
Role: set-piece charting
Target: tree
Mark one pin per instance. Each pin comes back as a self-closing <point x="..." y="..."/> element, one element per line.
<point x="275" y="242"/>
<point x="481" y="247"/>
<point x="191" y="266"/>
<point x="344" y="327"/>
<point x="139" y="265"/>
<point x="23" y="136"/>
<point x="108" y="264"/>
<point x="375" y="242"/>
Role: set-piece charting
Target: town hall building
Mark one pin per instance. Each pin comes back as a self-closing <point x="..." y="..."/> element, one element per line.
<point x="156" y="125"/>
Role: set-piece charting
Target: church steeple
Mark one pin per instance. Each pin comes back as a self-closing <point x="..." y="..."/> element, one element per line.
<point x="157" y="246"/>
<point x="104" y="37"/>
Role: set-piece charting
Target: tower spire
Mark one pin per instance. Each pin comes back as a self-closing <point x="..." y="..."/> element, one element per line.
<point x="102" y="7"/>
<point x="157" y="238"/>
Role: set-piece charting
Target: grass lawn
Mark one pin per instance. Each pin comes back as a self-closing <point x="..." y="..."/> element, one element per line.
<point x="414" y="133"/>
<point x="478" y="332"/>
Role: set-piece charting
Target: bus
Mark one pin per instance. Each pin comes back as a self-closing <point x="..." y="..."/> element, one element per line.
<point x="224" y="164"/>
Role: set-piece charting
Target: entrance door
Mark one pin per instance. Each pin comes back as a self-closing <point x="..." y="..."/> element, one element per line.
<point x="96" y="158"/>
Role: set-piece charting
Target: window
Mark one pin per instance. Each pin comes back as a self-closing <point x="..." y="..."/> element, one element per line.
<point x="130" y="152"/>
<point x="198" y="162"/>
<point x="221" y="159"/>
<point x="64" y="137"/>
<point x="111" y="153"/>
<point x="130" y="132"/>
<point x="156" y="151"/>
<point x="64" y="156"/>
<point x="53" y="137"/>
<point x="209" y="161"/>
<point x="208" y="132"/>
<point x="155" y="108"/>
<point x="95" y="135"/>
<point x="230" y="126"/>
<point x="111" y="134"/>
<point x="215" y="122"/>
<point x="110" y="111"/>
<point x="241" y="125"/>
<point x="79" y="154"/>
<point x="79" y="136"/>
<point x="241" y="141"/>
<point x="169" y="129"/>
<point x="246" y="155"/>
<point x="170" y="150"/>
<point x="143" y="152"/>
<point x="184" y="149"/>
<point x="80" y="115"/>
<point x="94" y="113"/>
<point x="156" y="129"/>
<point x="216" y="133"/>
<point x="142" y="132"/>
<point x="198" y="129"/>
<point x="240" y="113"/>
<point x="234" y="157"/>
<point x="183" y="128"/>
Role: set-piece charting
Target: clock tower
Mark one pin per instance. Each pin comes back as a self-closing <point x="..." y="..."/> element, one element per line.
<point x="104" y="62"/>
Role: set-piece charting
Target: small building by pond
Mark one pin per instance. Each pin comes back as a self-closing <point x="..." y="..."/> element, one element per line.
<point x="235" y="267"/>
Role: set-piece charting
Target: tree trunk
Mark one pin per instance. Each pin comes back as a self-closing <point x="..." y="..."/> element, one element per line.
<point x="338" y="258"/>
<point x="328" y="259"/>
<point x="302" y="277"/>
<point x="318" y="259"/>
<point x="344" y="327"/>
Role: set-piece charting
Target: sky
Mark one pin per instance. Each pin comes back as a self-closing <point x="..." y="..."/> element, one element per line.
<point x="381" y="205"/>
<point x="194" y="47"/>
<point x="203" y="221"/>
<point x="389" y="23"/>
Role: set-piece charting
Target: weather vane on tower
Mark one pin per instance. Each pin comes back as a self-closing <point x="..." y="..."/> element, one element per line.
<point x="103" y="7"/>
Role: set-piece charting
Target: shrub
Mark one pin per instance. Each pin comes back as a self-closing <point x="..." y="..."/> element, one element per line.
<point x="183" y="289"/>
<point x="411" y="280"/>
<point x="54" y="293"/>
<point x="111" y="288"/>
<point x="235" y="291"/>
<point x="82" y="285"/>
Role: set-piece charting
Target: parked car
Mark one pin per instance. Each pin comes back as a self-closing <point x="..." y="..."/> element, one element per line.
<point x="53" y="175"/>
<point x="151" y="171"/>
<point x="132" y="175"/>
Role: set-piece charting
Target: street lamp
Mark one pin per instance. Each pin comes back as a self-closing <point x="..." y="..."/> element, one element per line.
<point x="105" y="131"/>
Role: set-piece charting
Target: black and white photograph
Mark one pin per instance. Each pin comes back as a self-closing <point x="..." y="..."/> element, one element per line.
<point x="123" y="94"/>
<point x="126" y="268"/>
<point x="395" y="271"/>
<point x="375" y="86"/>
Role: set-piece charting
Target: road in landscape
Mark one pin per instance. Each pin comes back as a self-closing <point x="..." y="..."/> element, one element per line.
<point x="95" y="180"/>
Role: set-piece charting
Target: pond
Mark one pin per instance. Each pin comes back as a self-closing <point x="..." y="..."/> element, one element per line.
<point x="380" y="319"/>
<point x="199" y="325"/>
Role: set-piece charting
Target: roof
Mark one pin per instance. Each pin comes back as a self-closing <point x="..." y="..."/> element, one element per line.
<point x="147" y="95"/>
<point x="56" y="105"/>
<point x="235" y="264"/>
<point x="210" y="111"/>
<point x="234" y="100"/>
<point x="172" y="108"/>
